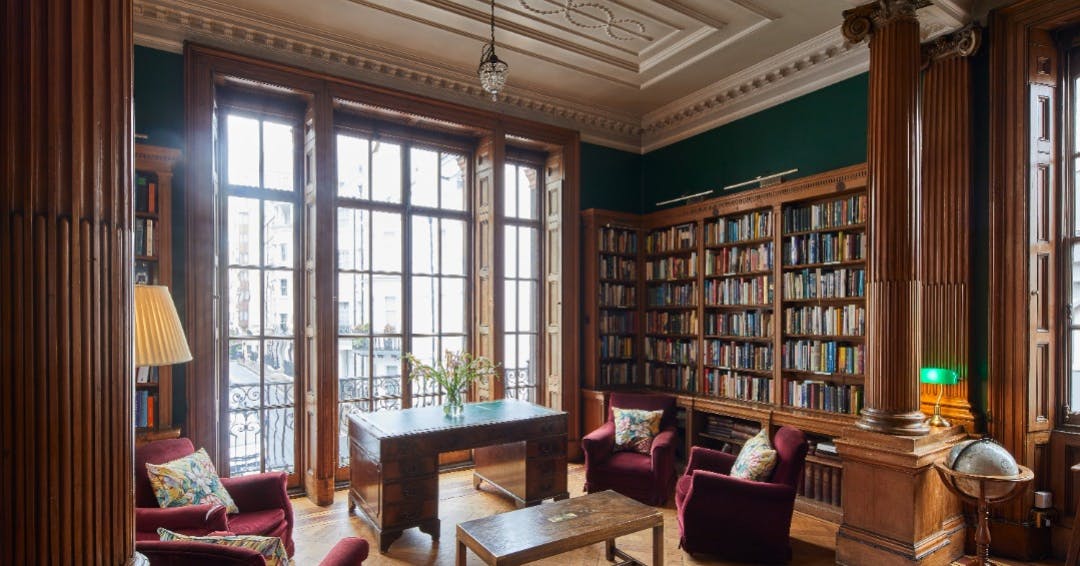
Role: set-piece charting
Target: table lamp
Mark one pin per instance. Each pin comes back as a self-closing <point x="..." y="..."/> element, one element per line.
<point x="940" y="377"/>
<point x="159" y="338"/>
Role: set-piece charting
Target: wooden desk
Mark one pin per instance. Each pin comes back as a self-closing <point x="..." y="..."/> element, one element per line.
<point x="525" y="535"/>
<point x="519" y="447"/>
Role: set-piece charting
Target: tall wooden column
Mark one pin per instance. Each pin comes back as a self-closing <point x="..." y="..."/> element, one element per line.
<point x="893" y="291"/>
<point x="945" y="238"/>
<point x="66" y="366"/>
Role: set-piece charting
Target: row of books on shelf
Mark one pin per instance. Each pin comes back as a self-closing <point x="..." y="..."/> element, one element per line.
<point x="144" y="408"/>
<point x="728" y="427"/>
<point x="616" y="267"/>
<point x="146" y="198"/>
<point x="146" y="374"/>
<point x="828" y="247"/>
<point x="736" y="259"/>
<point x="617" y="295"/>
<point x="823" y="396"/>
<point x="832" y="214"/>
<point x="671" y="351"/>
<point x="619" y="373"/>
<point x="825" y="283"/>
<point x="675" y="238"/>
<point x="739" y="355"/>
<point x="756" y="290"/>
<point x="821" y="482"/>
<point x="750" y="226"/>
<point x="673" y="294"/>
<point x="735" y="385"/>
<point x="681" y="267"/>
<point x="823" y="356"/>
<point x="616" y="347"/>
<point x="677" y="378"/>
<point x="618" y="322"/>
<point x="847" y="320"/>
<point x="618" y="240"/>
<point x="752" y="324"/>
<point x="144" y="236"/>
<point x="676" y="322"/>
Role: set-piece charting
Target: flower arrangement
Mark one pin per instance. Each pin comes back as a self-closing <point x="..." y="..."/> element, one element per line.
<point x="454" y="373"/>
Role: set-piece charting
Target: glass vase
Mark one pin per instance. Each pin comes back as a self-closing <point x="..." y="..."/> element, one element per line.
<point x="454" y="403"/>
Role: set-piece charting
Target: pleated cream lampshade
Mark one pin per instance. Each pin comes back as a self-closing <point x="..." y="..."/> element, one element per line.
<point x="159" y="338"/>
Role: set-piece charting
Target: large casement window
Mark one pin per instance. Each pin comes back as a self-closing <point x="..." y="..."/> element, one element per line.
<point x="261" y="228"/>
<point x="521" y="280"/>
<point x="1070" y="240"/>
<point x="402" y="261"/>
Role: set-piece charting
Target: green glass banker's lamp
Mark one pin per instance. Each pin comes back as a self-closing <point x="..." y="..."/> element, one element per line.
<point x="940" y="377"/>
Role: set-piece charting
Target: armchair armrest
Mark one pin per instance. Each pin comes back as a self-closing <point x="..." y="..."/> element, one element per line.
<point x="349" y="551"/>
<point x="175" y="553"/>
<point x="599" y="443"/>
<point x="260" y="492"/>
<point x="702" y="458"/>
<point x="187" y="518"/>
<point x="663" y="452"/>
<point x="739" y="494"/>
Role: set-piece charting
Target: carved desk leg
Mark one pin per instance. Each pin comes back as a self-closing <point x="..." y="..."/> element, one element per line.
<point x="431" y="527"/>
<point x="386" y="538"/>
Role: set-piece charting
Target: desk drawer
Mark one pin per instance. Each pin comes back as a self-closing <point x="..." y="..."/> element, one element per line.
<point x="545" y="478"/>
<point x="411" y="491"/>
<point x="551" y="447"/>
<point x="408" y="468"/>
<point x="408" y="514"/>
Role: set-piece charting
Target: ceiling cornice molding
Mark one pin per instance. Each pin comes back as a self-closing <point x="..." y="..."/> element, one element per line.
<point x="809" y="66"/>
<point x="166" y="24"/>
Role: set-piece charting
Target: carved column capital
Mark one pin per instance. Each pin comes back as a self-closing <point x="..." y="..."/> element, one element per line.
<point x="963" y="42"/>
<point x="861" y="21"/>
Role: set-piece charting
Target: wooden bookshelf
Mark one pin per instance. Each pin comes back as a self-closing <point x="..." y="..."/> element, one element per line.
<point x="752" y="306"/>
<point x="153" y="265"/>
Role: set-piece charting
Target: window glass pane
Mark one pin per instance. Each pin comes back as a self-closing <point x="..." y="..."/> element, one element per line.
<point x="453" y="181"/>
<point x="279" y="368"/>
<point x="352" y="164"/>
<point x="510" y="246"/>
<point x="242" y="152"/>
<point x="353" y="294"/>
<point x="385" y="172"/>
<point x="453" y="305"/>
<point x="386" y="230"/>
<point x="244" y="398"/>
<point x="1074" y="372"/>
<point x="387" y="378"/>
<point x="453" y="343"/>
<point x="510" y="191"/>
<point x="386" y="304"/>
<point x="1074" y="298"/>
<point x="424" y="348"/>
<point x="280" y="302"/>
<point x="510" y="306"/>
<point x="453" y="247"/>
<point x="424" y="182"/>
<point x="527" y="193"/>
<point x="354" y="363"/>
<point x="1076" y="195"/>
<point x="527" y="306"/>
<point x="425" y="305"/>
<point x="526" y="360"/>
<point x="528" y="253"/>
<point x="425" y="244"/>
<point x="353" y="249"/>
<point x="279" y="428"/>
<point x="243" y="231"/>
<point x="278" y="156"/>
<point x="245" y="302"/>
<point x="278" y="234"/>
<point x="510" y="358"/>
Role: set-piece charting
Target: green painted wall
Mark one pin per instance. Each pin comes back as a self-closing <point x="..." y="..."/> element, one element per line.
<point x="159" y="113"/>
<point x="610" y="179"/>
<point x="817" y="132"/>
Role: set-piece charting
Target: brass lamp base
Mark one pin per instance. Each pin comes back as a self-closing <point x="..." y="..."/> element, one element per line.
<point x="937" y="420"/>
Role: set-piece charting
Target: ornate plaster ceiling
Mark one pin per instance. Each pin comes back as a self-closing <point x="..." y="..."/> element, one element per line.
<point x="632" y="74"/>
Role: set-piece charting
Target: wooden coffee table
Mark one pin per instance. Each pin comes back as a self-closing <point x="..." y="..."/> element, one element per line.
<point x="529" y="534"/>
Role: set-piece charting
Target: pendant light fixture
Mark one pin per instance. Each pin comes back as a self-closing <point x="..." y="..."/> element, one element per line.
<point x="492" y="70"/>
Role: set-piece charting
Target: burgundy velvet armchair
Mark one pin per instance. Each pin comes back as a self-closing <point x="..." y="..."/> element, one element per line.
<point x="263" y="501"/>
<point x="347" y="552"/>
<point x="740" y="519"/>
<point x="644" y="477"/>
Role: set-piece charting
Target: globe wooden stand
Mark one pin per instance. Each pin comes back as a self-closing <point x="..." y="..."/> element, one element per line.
<point x="991" y="489"/>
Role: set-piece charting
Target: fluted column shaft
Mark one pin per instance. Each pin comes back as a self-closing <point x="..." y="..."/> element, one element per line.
<point x="893" y="290"/>
<point x="66" y="363"/>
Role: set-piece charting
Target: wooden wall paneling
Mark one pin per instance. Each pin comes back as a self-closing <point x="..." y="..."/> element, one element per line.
<point x="487" y="297"/>
<point x="66" y="367"/>
<point x="944" y="257"/>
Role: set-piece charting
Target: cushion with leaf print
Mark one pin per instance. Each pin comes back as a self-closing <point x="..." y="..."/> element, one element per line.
<point x="271" y="548"/>
<point x="191" y="480"/>
<point x="635" y="429"/>
<point x="756" y="460"/>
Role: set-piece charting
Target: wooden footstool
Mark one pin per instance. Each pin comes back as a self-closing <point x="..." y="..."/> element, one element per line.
<point x="529" y="534"/>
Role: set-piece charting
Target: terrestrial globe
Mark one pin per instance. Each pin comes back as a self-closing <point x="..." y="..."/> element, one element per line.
<point x="982" y="457"/>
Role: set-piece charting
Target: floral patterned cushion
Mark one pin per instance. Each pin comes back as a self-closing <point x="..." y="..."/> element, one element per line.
<point x="756" y="460"/>
<point x="190" y="480"/>
<point x="635" y="429"/>
<point x="271" y="548"/>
